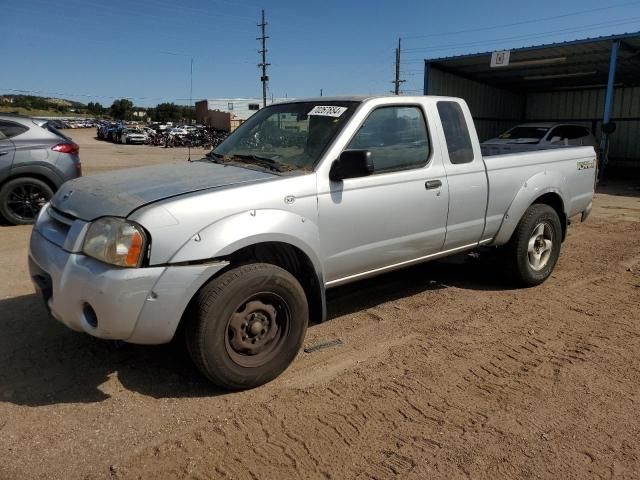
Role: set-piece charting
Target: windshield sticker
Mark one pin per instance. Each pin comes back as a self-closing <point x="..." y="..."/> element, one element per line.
<point x="327" y="110"/>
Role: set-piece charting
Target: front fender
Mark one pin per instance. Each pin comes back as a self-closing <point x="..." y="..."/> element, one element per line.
<point x="232" y="233"/>
<point x="549" y="181"/>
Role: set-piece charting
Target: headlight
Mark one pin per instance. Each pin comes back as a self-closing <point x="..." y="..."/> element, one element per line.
<point x="115" y="241"/>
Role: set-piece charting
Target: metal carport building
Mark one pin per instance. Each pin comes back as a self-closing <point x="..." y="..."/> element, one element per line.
<point x="590" y="82"/>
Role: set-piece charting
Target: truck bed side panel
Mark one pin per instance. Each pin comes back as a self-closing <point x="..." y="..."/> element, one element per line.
<point x="517" y="180"/>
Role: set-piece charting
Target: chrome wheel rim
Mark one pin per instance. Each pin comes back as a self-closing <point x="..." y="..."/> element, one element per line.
<point x="540" y="246"/>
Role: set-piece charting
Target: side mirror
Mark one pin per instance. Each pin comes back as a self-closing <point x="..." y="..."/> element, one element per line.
<point x="555" y="139"/>
<point x="351" y="164"/>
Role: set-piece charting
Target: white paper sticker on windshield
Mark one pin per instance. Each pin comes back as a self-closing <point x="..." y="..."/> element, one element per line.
<point x="327" y="110"/>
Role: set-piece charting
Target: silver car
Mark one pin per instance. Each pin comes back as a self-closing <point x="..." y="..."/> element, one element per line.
<point x="35" y="160"/>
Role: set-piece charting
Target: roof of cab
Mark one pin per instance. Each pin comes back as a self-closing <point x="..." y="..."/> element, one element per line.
<point x="363" y="98"/>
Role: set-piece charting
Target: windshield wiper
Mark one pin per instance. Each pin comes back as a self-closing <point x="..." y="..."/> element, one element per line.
<point x="264" y="162"/>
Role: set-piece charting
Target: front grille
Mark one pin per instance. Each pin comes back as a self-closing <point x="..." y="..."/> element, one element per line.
<point x="55" y="226"/>
<point x="60" y="217"/>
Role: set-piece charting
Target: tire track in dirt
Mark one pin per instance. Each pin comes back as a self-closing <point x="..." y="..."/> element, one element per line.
<point x="400" y="408"/>
<point x="443" y="373"/>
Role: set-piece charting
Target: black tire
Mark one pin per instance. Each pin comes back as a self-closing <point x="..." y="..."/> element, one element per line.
<point x="246" y="326"/>
<point x="539" y="224"/>
<point x="22" y="198"/>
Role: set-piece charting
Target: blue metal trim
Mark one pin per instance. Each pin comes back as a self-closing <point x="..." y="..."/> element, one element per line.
<point x="427" y="70"/>
<point x="608" y="102"/>
<point x="539" y="47"/>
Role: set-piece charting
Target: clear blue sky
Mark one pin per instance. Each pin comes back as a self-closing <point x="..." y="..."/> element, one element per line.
<point x="91" y="50"/>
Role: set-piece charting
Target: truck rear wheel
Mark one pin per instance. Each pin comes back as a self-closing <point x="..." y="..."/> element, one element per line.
<point x="247" y="325"/>
<point x="534" y="248"/>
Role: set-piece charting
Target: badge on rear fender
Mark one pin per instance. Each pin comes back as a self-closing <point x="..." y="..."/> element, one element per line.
<point x="585" y="164"/>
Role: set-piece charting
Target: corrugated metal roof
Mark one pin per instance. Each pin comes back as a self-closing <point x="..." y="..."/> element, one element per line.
<point x="573" y="63"/>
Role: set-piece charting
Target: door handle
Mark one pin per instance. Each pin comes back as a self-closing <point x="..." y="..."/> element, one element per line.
<point x="432" y="184"/>
<point x="3" y="153"/>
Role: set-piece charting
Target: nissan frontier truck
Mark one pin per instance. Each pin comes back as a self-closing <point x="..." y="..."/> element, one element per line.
<point x="240" y="247"/>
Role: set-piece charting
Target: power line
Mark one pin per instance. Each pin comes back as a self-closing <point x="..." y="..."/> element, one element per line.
<point x="87" y="95"/>
<point x="523" y="37"/>
<point x="524" y="22"/>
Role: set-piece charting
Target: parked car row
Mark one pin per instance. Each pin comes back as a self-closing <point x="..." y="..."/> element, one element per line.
<point x="67" y="123"/>
<point x="165" y="135"/>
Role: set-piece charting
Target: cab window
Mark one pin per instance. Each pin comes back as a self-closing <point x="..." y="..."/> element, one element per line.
<point x="456" y="132"/>
<point x="396" y="136"/>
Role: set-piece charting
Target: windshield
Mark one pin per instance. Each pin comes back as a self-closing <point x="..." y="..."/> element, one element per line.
<point x="291" y="134"/>
<point x="525" y="132"/>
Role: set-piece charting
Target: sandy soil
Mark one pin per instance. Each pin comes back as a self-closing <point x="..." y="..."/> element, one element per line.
<point x="443" y="372"/>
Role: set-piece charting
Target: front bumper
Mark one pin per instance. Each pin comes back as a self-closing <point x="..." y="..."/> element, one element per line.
<point x="137" y="305"/>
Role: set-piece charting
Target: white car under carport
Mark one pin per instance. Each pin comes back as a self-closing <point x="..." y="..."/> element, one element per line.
<point x="538" y="136"/>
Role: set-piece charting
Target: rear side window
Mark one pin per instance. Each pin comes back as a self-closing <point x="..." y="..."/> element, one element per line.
<point x="49" y="126"/>
<point x="396" y="137"/>
<point x="11" y="129"/>
<point x="577" y="132"/>
<point x="455" y="132"/>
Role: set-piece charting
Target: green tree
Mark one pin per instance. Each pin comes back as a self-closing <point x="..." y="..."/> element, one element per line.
<point x="170" y="112"/>
<point x="122" y="109"/>
<point x="95" y="108"/>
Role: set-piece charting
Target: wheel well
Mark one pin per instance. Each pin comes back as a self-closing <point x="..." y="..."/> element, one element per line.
<point x="294" y="261"/>
<point x="42" y="178"/>
<point x="555" y="201"/>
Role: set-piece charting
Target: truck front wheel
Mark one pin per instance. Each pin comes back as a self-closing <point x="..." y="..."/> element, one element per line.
<point x="246" y="326"/>
<point x="534" y="248"/>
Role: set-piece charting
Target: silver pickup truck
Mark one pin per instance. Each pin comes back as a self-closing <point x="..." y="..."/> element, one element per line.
<point x="239" y="248"/>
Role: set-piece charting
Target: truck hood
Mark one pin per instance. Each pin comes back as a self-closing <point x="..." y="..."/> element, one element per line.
<point x="121" y="192"/>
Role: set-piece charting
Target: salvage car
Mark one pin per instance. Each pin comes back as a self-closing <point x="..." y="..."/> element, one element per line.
<point x="35" y="160"/>
<point x="133" y="135"/>
<point x="239" y="248"/>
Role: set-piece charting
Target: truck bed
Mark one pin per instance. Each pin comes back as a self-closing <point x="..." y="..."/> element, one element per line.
<point x="569" y="170"/>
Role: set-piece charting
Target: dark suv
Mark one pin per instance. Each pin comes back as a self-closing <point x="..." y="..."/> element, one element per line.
<point x="35" y="159"/>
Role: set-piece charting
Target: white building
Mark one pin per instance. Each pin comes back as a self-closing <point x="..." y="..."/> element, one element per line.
<point x="229" y="113"/>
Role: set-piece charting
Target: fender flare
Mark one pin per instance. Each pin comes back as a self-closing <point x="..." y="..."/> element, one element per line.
<point x="540" y="184"/>
<point x="222" y="238"/>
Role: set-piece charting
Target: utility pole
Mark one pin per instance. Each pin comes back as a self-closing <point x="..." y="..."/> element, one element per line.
<point x="397" y="81"/>
<point x="190" y="102"/>
<point x="264" y="78"/>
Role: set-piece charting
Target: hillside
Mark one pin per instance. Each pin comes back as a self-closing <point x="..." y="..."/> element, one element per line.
<point x="33" y="105"/>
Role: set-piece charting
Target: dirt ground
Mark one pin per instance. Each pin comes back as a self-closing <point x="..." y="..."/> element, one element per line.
<point x="443" y="372"/>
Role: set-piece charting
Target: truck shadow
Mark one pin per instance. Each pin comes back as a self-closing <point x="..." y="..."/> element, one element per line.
<point x="44" y="363"/>
<point x="462" y="271"/>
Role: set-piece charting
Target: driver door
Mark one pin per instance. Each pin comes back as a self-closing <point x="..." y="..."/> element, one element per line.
<point x="393" y="216"/>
